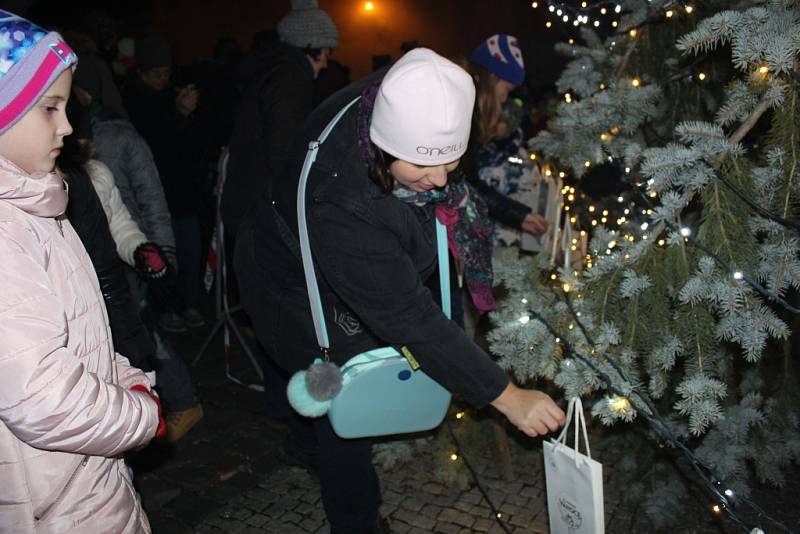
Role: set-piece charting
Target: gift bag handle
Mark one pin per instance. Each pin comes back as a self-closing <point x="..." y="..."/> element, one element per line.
<point x="317" y="315"/>
<point x="575" y="408"/>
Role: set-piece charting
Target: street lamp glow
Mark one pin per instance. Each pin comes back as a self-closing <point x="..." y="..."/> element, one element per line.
<point x="369" y="6"/>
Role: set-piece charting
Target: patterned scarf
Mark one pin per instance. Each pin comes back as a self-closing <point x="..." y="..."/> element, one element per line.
<point x="458" y="206"/>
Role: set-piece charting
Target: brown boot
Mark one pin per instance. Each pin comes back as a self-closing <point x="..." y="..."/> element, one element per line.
<point x="179" y="423"/>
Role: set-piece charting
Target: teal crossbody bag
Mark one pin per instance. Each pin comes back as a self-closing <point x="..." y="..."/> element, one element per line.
<point x="383" y="392"/>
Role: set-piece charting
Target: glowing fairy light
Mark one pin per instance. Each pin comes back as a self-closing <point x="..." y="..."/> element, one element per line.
<point x="524" y="319"/>
<point x="619" y="404"/>
<point x="689" y="9"/>
<point x="701" y="76"/>
<point x="738" y="275"/>
<point x="686" y="232"/>
<point x="453" y="457"/>
<point x="636" y="82"/>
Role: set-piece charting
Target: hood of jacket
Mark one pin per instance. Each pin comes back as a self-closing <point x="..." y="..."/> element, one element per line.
<point x="262" y="61"/>
<point x="42" y="194"/>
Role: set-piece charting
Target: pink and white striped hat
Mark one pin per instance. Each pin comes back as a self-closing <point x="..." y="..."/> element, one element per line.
<point x="31" y="59"/>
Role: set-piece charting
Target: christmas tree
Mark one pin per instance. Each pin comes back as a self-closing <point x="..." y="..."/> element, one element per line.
<point x="681" y="328"/>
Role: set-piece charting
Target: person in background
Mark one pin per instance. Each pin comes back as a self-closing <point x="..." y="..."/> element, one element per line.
<point x="165" y="118"/>
<point x="497" y="68"/>
<point x="69" y="404"/>
<point x="277" y="97"/>
<point x="385" y="172"/>
<point x="145" y="258"/>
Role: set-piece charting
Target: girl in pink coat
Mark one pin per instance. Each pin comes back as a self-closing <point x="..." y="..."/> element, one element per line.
<point x="69" y="405"/>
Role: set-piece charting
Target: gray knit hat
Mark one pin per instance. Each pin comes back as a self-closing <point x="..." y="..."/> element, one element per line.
<point x="307" y="26"/>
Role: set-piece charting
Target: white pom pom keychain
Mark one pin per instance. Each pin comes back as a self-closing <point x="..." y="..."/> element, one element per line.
<point x="310" y="391"/>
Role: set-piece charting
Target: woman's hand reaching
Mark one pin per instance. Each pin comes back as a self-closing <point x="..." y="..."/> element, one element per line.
<point x="535" y="224"/>
<point x="531" y="411"/>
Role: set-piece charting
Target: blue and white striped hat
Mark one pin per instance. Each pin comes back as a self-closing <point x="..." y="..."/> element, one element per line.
<point x="500" y="54"/>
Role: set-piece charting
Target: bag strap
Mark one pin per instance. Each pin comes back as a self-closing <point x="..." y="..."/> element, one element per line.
<point x="314" y="298"/>
<point x="575" y="408"/>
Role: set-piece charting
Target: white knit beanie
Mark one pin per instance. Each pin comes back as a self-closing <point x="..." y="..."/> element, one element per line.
<point x="423" y="110"/>
<point x="307" y="26"/>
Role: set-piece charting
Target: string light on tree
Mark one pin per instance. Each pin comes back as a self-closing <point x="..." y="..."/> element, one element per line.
<point x="619" y="404"/>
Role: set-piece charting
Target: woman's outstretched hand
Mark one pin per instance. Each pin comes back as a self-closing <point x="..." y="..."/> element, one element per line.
<point x="531" y="411"/>
<point x="535" y="224"/>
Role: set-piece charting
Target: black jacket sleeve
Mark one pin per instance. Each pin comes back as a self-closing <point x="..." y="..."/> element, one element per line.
<point x="86" y="214"/>
<point x="502" y="208"/>
<point x="367" y="267"/>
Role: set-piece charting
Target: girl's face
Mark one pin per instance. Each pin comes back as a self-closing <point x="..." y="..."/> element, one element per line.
<point x="34" y="141"/>
<point x="421" y="177"/>
<point x="501" y="90"/>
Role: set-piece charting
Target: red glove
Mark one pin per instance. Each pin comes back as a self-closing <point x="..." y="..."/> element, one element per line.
<point x="162" y="423"/>
<point x="149" y="261"/>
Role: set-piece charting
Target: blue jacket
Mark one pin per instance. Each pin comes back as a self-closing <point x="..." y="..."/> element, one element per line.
<point x="126" y="153"/>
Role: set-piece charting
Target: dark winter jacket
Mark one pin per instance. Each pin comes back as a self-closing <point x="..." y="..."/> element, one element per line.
<point x="125" y="152"/>
<point x="373" y="252"/>
<point x="86" y="214"/>
<point x="176" y="143"/>
<point x="277" y="99"/>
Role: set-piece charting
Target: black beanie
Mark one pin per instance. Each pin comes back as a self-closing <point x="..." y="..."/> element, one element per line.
<point x="153" y="52"/>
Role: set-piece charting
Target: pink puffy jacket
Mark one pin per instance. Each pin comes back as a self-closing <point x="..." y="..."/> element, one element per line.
<point x="66" y="413"/>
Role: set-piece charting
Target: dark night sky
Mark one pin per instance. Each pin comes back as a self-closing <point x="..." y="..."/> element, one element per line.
<point x="450" y="27"/>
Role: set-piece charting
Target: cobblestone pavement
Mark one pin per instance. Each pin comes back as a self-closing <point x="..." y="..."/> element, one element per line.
<point x="226" y="476"/>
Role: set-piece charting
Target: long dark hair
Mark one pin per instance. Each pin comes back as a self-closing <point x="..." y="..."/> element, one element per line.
<point x="379" y="168"/>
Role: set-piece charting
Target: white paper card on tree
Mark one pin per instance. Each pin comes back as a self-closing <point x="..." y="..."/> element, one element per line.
<point x="543" y="198"/>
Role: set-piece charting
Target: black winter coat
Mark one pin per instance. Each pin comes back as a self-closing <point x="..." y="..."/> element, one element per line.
<point x="276" y="100"/>
<point x="86" y="214"/>
<point x="178" y="145"/>
<point x="372" y="253"/>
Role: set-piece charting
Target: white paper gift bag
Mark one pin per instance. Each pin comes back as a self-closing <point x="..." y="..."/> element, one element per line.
<point x="574" y="481"/>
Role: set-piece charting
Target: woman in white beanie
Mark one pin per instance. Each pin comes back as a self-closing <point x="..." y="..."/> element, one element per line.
<point x="387" y="169"/>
